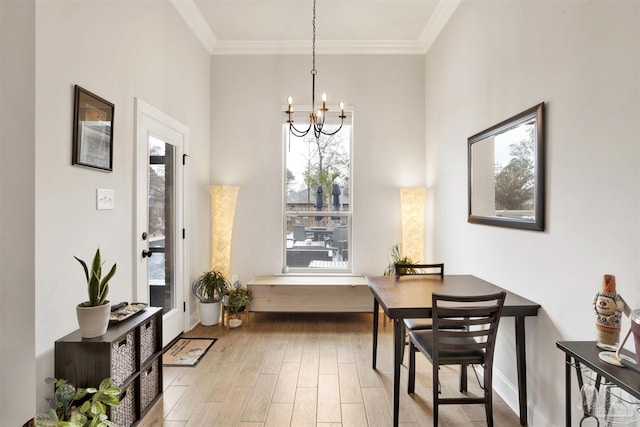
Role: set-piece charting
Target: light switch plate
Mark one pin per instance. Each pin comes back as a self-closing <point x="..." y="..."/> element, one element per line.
<point x="105" y="198"/>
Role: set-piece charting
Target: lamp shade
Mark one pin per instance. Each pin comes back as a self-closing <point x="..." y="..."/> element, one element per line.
<point x="223" y="208"/>
<point x="412" y="200"/>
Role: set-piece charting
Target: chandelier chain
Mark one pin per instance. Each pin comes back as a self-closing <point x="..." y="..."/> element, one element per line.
<point x="316" y="117"/>
<point x="313" y="43"/>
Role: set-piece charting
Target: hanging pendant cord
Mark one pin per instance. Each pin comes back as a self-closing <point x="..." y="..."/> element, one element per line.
<point x="313" y="68"/>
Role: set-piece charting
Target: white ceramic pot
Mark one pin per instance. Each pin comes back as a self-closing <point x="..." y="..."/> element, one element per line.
<point x="234" y="323"/>
<point x="93" y="321"/>
<point x="210" y="313"/>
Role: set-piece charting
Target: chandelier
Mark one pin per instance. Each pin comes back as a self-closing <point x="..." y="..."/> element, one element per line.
<point x="316" y="117"/>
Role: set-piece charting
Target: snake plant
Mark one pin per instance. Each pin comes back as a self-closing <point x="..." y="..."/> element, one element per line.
<point x="97" y="286"/>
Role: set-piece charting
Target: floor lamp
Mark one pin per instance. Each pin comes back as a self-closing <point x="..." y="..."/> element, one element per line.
<point x="412" y="200"/>
<point x="223" y="208"/>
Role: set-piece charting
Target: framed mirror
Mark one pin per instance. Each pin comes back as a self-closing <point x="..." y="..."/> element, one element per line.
<point x="506" y="172"/>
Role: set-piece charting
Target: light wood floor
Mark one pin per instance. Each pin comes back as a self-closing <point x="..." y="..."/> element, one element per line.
<point x="305" y="370"/>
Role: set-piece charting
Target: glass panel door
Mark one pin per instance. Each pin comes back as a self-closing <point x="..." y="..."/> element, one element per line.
<point x="160" y="250"/>
<point x="161" y="224"/>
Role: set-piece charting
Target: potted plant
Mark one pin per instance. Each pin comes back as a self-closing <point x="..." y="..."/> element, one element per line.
<point x="72" y="407"/>
<point x="396" y="259"/>
<point x="209" y="288"/>
<point x="93" y="315"/>
<point x="239" y="299"/>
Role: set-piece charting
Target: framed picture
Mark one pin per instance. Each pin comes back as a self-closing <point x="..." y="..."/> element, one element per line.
<point x="92" y="131"/>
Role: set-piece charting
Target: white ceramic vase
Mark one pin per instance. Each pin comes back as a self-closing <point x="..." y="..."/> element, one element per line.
<point x="93" y="321"/>
<point x="209" y="313"/>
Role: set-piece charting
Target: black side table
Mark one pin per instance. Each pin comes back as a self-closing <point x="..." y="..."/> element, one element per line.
<point x="586" y="353"/>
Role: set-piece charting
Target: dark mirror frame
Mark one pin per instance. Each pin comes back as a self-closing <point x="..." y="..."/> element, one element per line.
<point x="538" y="222"/>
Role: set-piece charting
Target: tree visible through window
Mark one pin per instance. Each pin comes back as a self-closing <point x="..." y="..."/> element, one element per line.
<point x="317" y="200"/>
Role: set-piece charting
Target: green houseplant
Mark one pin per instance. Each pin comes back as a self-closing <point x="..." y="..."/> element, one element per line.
<point x="239" y="298"/>
<point x="209" y="288"/>
<point x="79" y="407"/>
<point x="93" y="315"/>
<point x="236" y="301"/>
<point x="396" y="258"/>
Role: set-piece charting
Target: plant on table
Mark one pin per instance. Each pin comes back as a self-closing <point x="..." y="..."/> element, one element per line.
<point x="97" y="286"/>
<point x="93" y="315"/>
<point x="397" y="259"/>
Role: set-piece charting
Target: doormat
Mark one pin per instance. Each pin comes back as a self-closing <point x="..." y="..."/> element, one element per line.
<point x="187" y="351"/>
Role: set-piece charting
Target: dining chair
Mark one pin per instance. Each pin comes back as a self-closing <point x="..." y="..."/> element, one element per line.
<point x="300" y="234"/>
<point x="338" y="242"/>
<point x="464" y="333"/>
<point x="402" y="269"/>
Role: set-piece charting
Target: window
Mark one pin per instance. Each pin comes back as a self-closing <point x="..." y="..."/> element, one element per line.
<point x="317" y="211"/>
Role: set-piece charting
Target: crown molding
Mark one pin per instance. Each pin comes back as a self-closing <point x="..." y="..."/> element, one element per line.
<point x="334" y="47"/>
<point x="441" y="15"/>
<point x="196" y="22"/>
<point x="194" y="19"/>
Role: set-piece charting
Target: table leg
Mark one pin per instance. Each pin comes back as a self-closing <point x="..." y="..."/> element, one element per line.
<point x="398" y="344"/>
<point x="567" y="381"/>
<point x="522" y="369"/>
<point x="374" y="356"/>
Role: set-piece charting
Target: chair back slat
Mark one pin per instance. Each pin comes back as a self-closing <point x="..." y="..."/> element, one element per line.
<point x="403" y="269"/>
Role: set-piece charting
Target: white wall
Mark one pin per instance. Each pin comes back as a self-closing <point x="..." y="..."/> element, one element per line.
<point x="493" y="60"/>
<point x="118" y="50"/>
<point x="247" y="96"/>
<point x="17" y="190"/>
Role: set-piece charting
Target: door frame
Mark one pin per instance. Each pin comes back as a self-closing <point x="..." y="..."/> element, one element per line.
<point x="150" y="118"/>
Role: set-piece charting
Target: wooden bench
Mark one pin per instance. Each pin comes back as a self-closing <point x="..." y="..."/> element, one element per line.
<point x="290" y="293"/>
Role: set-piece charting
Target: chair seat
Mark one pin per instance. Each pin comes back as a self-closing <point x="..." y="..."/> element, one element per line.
<point x="418" y="324"/>
<point x="423" y="340"/>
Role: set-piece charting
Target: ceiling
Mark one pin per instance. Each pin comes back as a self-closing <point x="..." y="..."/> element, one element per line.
<point x="267" y="27"/>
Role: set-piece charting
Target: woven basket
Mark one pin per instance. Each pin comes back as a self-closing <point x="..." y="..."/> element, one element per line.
<point x="149" y="384"/>
<point x="148" y="342"/>
<point x="123" y="358"/>
<point x="125" y="414"/>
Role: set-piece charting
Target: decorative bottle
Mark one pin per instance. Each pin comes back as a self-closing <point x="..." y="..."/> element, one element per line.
<point x="608" y="306"/>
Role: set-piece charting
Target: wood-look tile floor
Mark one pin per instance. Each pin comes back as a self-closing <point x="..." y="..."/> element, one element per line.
<point x="306" y="370"/>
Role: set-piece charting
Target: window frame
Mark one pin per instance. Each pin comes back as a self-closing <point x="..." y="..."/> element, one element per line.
<point x="288" y="213"/>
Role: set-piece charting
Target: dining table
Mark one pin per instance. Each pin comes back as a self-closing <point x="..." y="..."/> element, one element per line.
<point x="319" y="233"/>
<point x="410" y="297"/>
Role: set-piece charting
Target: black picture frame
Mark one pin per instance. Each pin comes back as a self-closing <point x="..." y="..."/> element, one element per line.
<point x="483" y="174"/>
<point x="92" y="131"/>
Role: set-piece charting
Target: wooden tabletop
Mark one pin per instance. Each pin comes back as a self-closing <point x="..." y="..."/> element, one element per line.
<point x="410" y="296"/>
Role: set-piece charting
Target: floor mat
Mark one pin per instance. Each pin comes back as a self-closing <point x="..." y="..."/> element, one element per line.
<point x="187" y="351"/>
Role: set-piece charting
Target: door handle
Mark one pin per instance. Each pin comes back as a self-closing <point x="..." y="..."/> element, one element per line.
<point x="146" y="253"/>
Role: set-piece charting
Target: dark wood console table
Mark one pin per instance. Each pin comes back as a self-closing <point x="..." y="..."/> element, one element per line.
<point x="130" y="353"/>
<point x="586" y="353"/>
